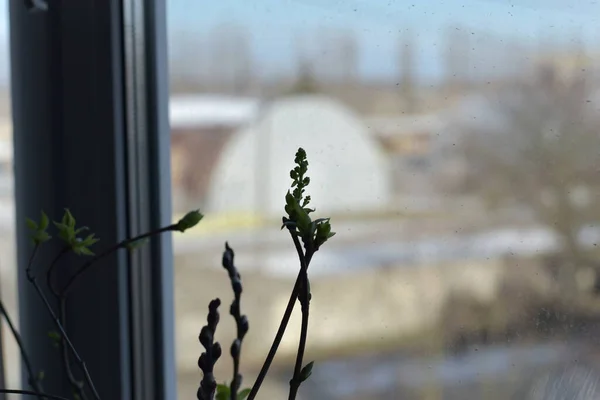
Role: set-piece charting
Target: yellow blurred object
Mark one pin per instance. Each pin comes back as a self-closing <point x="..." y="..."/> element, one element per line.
<point x="225" y="222"/>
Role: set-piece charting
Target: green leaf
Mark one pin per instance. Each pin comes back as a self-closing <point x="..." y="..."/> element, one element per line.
<point x="81" y="229"/>
<point x="306" y="372"/>
<point x="68" y="219"/>
<point x="189" y="220"/>
<point x="60" y="226"/>
<point x="289" y="224"/>
<point x="301" y="217"/>
<point x="65" y="232"/>
<point x="40" y="237"/>
<point x="31" y="224"/>
<point x="223" y="392"/>
<point x="289" y="199"/>
<point x="244" y="393"/>
<point x="55" y="337"/>
<point x="44" y="221"/>
<point x="303" y="222"/>
<point x="80" y="250"/>
<point x="89" y="240"/>
<point x="39" y="234"/>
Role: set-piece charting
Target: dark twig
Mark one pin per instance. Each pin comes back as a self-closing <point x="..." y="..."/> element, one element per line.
<point x="74" y="382"/>
<point x="63" y="334"/>
<point x="33" y="379"/>
<point x="68" y="233"/>
<point x="304" y="297"/>
<point x="62" y="297"/>
<point x="111" y="250"/>
<point x="280" y="332"/>
<point x="32" y="393"/>
<point x="50" y="271"/>
<point x="241" y="321"/>
<point x="207" y="359"/>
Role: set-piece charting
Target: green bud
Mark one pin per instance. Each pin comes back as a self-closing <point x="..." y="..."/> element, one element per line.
<point x="39" y="234"/>
<point x="306" y="371"/>
<point x="40" y="237"/>
<point x="190" y="220"/>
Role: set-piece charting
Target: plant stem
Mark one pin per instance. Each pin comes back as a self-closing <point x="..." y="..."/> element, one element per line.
<point x="304" y="302"/>
<point x="235" y="382"/>
<point x="32" y="393"/>
<point x="64" y="335"/>
<point x="31" y="258"/>
<point x="75" y="383"/>
<point x="33" y="381"/>
<point x="64" y="251"/>
<point x="280" y="332"/>
<point x="111" y="250"/>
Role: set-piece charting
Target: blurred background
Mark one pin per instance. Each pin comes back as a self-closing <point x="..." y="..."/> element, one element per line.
<point x="456" y="146"/>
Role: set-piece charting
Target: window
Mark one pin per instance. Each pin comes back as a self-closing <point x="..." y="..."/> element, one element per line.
<point x="8" y="276"/>
<point x="455" y="283"/>
<point x="453" y="279"/>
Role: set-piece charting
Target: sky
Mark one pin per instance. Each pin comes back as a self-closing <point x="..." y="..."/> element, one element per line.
<point x="275" y="25"/>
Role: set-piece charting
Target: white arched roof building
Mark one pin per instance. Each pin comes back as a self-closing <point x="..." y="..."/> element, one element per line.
<point x="349" y="172"/>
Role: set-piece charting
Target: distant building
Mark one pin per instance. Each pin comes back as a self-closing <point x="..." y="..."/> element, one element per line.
<point x="568" y="65"/>
<point x="421" y="151"/>
<point x="200" y="127"/>
<point x="349" y="171"/>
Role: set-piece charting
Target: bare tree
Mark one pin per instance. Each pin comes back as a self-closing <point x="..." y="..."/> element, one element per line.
<point x="456" y="57"/>
<point x="232" y="64"/>
<point x="407" y="70"/>
<point x="348" y="54"/>
<point x="187" y="59"/>
<point x="305" y="82"/>
<point x="543" y="154"/>
<point x="335" y="55"/>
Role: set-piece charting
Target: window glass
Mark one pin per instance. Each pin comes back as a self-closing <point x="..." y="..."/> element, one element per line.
<point x="454" y="144"/>
<point x="8" y="270"/>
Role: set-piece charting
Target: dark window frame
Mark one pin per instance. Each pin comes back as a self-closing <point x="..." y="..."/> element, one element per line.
<point x="84" y="139"/>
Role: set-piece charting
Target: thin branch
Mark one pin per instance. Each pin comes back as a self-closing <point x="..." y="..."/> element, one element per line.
<point x="75" y="383"/>
<point x="279" y="336"/>
<point x="64" y="335"/>
<point x="33" y="381"/>
<point x="304" y="297"/>
<point x="32" y="393"/>
<point x="111" y="250"/>
<point x="30" y="262"/>
<point x="53" y="265"/>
